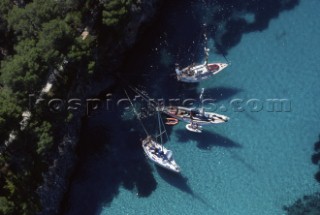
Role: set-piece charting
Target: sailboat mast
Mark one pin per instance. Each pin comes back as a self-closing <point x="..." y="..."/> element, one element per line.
<point x="201" y="95"/>
<point x="201" y="100"/>
<point x="206" y="49"/>
<point x="136" y="113"/>
<point x="160" y="132"/>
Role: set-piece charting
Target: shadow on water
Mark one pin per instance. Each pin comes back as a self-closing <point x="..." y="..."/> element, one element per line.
<point x="181" y="182"/>
<point x="221" y="93"/>
<point x="243" y="17"/>
<point x="103" y="170"/>
<point x="226" y="21"/>
<point x="206" y="140"/>
<point x="175" y="180"/>
<point x="211" y="95"/>
<point x="250" y="116"/>
<point x="240" y="159"/>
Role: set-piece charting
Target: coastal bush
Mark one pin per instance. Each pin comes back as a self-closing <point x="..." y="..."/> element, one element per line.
<point x="27" y="21"/>
<point x="4" y="8"/>
<point x="18" y="200"/>
<point x="10" y="114"/>
<point x="115" y="11"/>
<point x="6" y="207"/>
<point x="81" y="49"/>
<point x="22" y="71"/>
<point x="44" y="136"/>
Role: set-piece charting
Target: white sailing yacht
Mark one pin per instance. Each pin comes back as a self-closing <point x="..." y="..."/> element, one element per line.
<point x="161" y="156"/>
<point x="154" y="150"/>
<point x="198" y="72"/>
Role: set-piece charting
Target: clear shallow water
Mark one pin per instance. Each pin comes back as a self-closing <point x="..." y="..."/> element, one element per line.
<point x="254" y="164"/>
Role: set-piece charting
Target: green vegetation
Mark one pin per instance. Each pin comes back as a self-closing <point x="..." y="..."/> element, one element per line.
<point x="115" y="12"/>
<point x="10" y="113"/>
<point x="37" y="38"/>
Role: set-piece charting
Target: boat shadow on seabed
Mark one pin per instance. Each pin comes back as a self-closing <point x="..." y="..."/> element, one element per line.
<point x="181" y="182"/>
<point x="207" y="140"/>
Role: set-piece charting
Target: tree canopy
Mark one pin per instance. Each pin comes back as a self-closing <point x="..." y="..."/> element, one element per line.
<point x="38" y="37"/>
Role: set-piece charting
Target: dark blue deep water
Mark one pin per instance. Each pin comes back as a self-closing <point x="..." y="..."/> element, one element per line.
<point x="255" y="163"/>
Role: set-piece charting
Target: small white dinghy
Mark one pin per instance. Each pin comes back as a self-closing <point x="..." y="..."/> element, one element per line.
<point x="194" y="128"/>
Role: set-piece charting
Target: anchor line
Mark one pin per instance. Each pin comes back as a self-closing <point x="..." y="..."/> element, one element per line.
<point x="137" y="115"/>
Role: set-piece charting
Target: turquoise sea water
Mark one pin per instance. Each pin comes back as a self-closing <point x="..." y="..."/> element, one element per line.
<point x="254" y="164"/>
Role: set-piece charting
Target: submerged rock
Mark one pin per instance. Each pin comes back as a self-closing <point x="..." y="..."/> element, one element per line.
<point x="315" y="158"/>
<point x="308" y="205"/>
<point x="317" y="146"/>
<point x="317" y="176"/>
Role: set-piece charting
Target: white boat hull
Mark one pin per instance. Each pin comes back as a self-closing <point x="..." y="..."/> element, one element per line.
<point x="205" y="118"/>
<point x="191" y="128"/>
<point x="153" y="151"/>
<point x="197" y="73"/>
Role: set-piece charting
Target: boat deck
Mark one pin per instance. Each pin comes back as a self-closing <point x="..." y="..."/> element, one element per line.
<point x="159" y="154"/>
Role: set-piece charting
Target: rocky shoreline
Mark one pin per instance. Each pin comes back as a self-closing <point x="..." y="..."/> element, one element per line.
<point x="309" y="204"/>
<point x="56" y="179"/>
